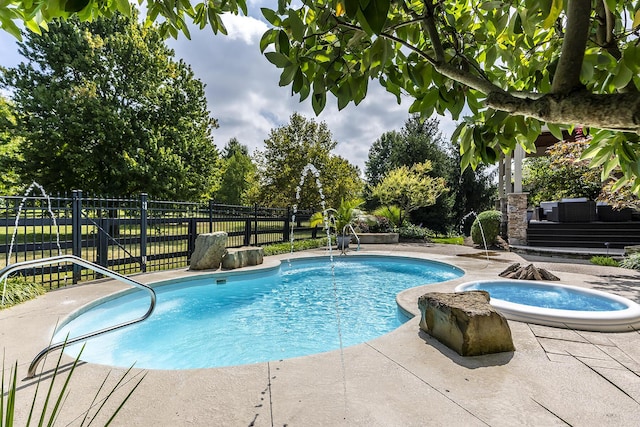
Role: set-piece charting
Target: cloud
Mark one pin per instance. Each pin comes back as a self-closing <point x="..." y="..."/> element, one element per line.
<point x="243" y="94"/>
<point x="245" y="28"/>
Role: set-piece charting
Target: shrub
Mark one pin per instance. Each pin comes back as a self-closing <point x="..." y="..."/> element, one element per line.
<point x="19" y="290"/>
<point x="632" y="261"/>
<point x="298" y="245"/>
<point x="606" y="261"/>
<point x="490" y="221"/>
<point x="414" y="232"/>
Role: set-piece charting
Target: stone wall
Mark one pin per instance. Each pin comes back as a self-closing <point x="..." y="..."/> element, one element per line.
<point x="517" y="218"/>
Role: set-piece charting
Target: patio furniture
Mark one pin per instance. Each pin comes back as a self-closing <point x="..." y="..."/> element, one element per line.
<point x="607" y="213"/>
<point x="573" y="211"/>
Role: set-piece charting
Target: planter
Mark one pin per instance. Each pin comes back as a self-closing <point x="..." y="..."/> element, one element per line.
<point x="342" y="242"/>
<point x="378" y="238"/>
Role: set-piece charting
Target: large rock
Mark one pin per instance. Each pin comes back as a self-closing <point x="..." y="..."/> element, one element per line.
<point x="209" y="250"/>
<point x="465" y="322"/>
<point x="242" y="257"/>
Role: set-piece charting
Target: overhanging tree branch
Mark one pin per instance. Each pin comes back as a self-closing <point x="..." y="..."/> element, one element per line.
<point x="567" y="77"/>
<point x="617" y="112"/>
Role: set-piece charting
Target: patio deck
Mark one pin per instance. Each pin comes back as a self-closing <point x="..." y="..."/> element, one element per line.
<point x="404" y="378"/>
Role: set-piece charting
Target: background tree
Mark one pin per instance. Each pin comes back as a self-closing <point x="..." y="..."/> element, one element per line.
<point x="515" y="64"/>
<point x="382" y="156"/>
<point x="235" y="173"/>
<point x="563" y="173"/>
<point x="471" y="191"/>
<point x="410" y="188"/>
<point x="288" y="150"/>
<point x="234" y="147"/>
<point x="9" y="149"/>
<point x="104" y="107"/>
<point x="416" y="142"/>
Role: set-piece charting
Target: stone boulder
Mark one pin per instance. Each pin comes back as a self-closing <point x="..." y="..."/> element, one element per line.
<point x="465" y="322"/>
<point x="209" y="250"/>
<point x="242" y="257"/>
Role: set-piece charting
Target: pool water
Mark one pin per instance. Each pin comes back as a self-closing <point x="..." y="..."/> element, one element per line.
<point x="255" y="317"/>
<point x="548" y="296"/>
<point x="560" y="305"/>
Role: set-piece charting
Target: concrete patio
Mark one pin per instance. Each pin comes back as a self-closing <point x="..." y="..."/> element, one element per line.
<point x="404" y="378"/>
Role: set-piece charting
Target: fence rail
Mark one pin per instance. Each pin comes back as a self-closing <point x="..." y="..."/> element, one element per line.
<point x="128" y="235"/>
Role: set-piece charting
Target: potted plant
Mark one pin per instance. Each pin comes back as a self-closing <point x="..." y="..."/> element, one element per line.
<point x="339" y="219"/>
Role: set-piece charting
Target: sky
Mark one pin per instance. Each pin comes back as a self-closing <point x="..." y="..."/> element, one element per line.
<point x="243" y="94"/>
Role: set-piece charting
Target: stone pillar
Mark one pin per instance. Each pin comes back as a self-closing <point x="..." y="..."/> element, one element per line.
<point x="517" y="218"/>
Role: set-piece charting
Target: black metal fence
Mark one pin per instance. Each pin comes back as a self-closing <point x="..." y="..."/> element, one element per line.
<point x="128" y="235"/>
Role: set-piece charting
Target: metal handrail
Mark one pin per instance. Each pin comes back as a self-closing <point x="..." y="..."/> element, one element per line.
<point x="87" y="264"/>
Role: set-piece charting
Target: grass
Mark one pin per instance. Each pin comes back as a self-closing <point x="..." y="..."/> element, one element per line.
<point x="604" y="261"/>
<point x="448" y="240"/>
<point x="19" y="290"/>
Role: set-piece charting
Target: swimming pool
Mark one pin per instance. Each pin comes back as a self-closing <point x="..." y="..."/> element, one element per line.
<point x="226" y="319"/>
<point x="560" y="305"/>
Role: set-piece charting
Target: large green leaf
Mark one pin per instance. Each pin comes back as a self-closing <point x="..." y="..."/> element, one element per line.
<point x="277" y="59"/>
<point x="375" y="14"/>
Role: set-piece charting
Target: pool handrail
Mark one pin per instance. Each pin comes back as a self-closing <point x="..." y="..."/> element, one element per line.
<point x="87" y="264"/>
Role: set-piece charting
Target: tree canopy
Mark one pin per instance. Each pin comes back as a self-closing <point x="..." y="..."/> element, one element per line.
<point x="103" y="106"/>
<point x="515" y="65"/>
<point x="410" y="188"/>
<point x="236" y="172"/>
<point x="416" y="142"/>
<point x="288" y="149"/>
<point x="9" y="148"/>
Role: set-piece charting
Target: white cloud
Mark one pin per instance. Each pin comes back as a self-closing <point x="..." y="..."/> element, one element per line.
<point x="245" y="28"/>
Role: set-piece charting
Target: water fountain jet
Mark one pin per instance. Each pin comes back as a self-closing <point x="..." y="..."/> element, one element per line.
<point x="17" y="221"/>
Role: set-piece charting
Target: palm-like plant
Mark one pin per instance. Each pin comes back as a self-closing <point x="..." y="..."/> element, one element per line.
<point x="348" y="212"/>
<point x="53" y="404"/>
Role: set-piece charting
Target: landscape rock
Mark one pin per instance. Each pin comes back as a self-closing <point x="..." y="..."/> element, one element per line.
<point x="465" y="322"/>
<point x="242" y="257"/>
<point x="530" y="272"/>
<point x="209" y="250"/>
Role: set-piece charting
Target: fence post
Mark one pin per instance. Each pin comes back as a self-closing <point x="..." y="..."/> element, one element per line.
<point x="143" y="232"/>
<point x="211" y="203"/>
<point x="102" y="249"/>
<point x="192" y="234"/>
<point x="76" y="231"/>
<point x="255" y="224"/>
<point x="247" y="232"/>
<point x="286" y="229"/>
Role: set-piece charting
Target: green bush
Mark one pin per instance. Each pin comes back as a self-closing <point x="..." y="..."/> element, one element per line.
<point x="19" y="290"/>
<point x="298" y="245"/>
<point x="632" y="261"/>
<point x="413" y="232"/>
<point x="490" y="221"/>
<point x="606" y="261"/>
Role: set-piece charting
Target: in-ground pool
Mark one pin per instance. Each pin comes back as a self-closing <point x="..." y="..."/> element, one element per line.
<point x="225" y="319"/>
<point x="559" y="305"/>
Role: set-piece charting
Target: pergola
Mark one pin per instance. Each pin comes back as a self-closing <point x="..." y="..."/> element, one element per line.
<point x="511" y="199"/>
